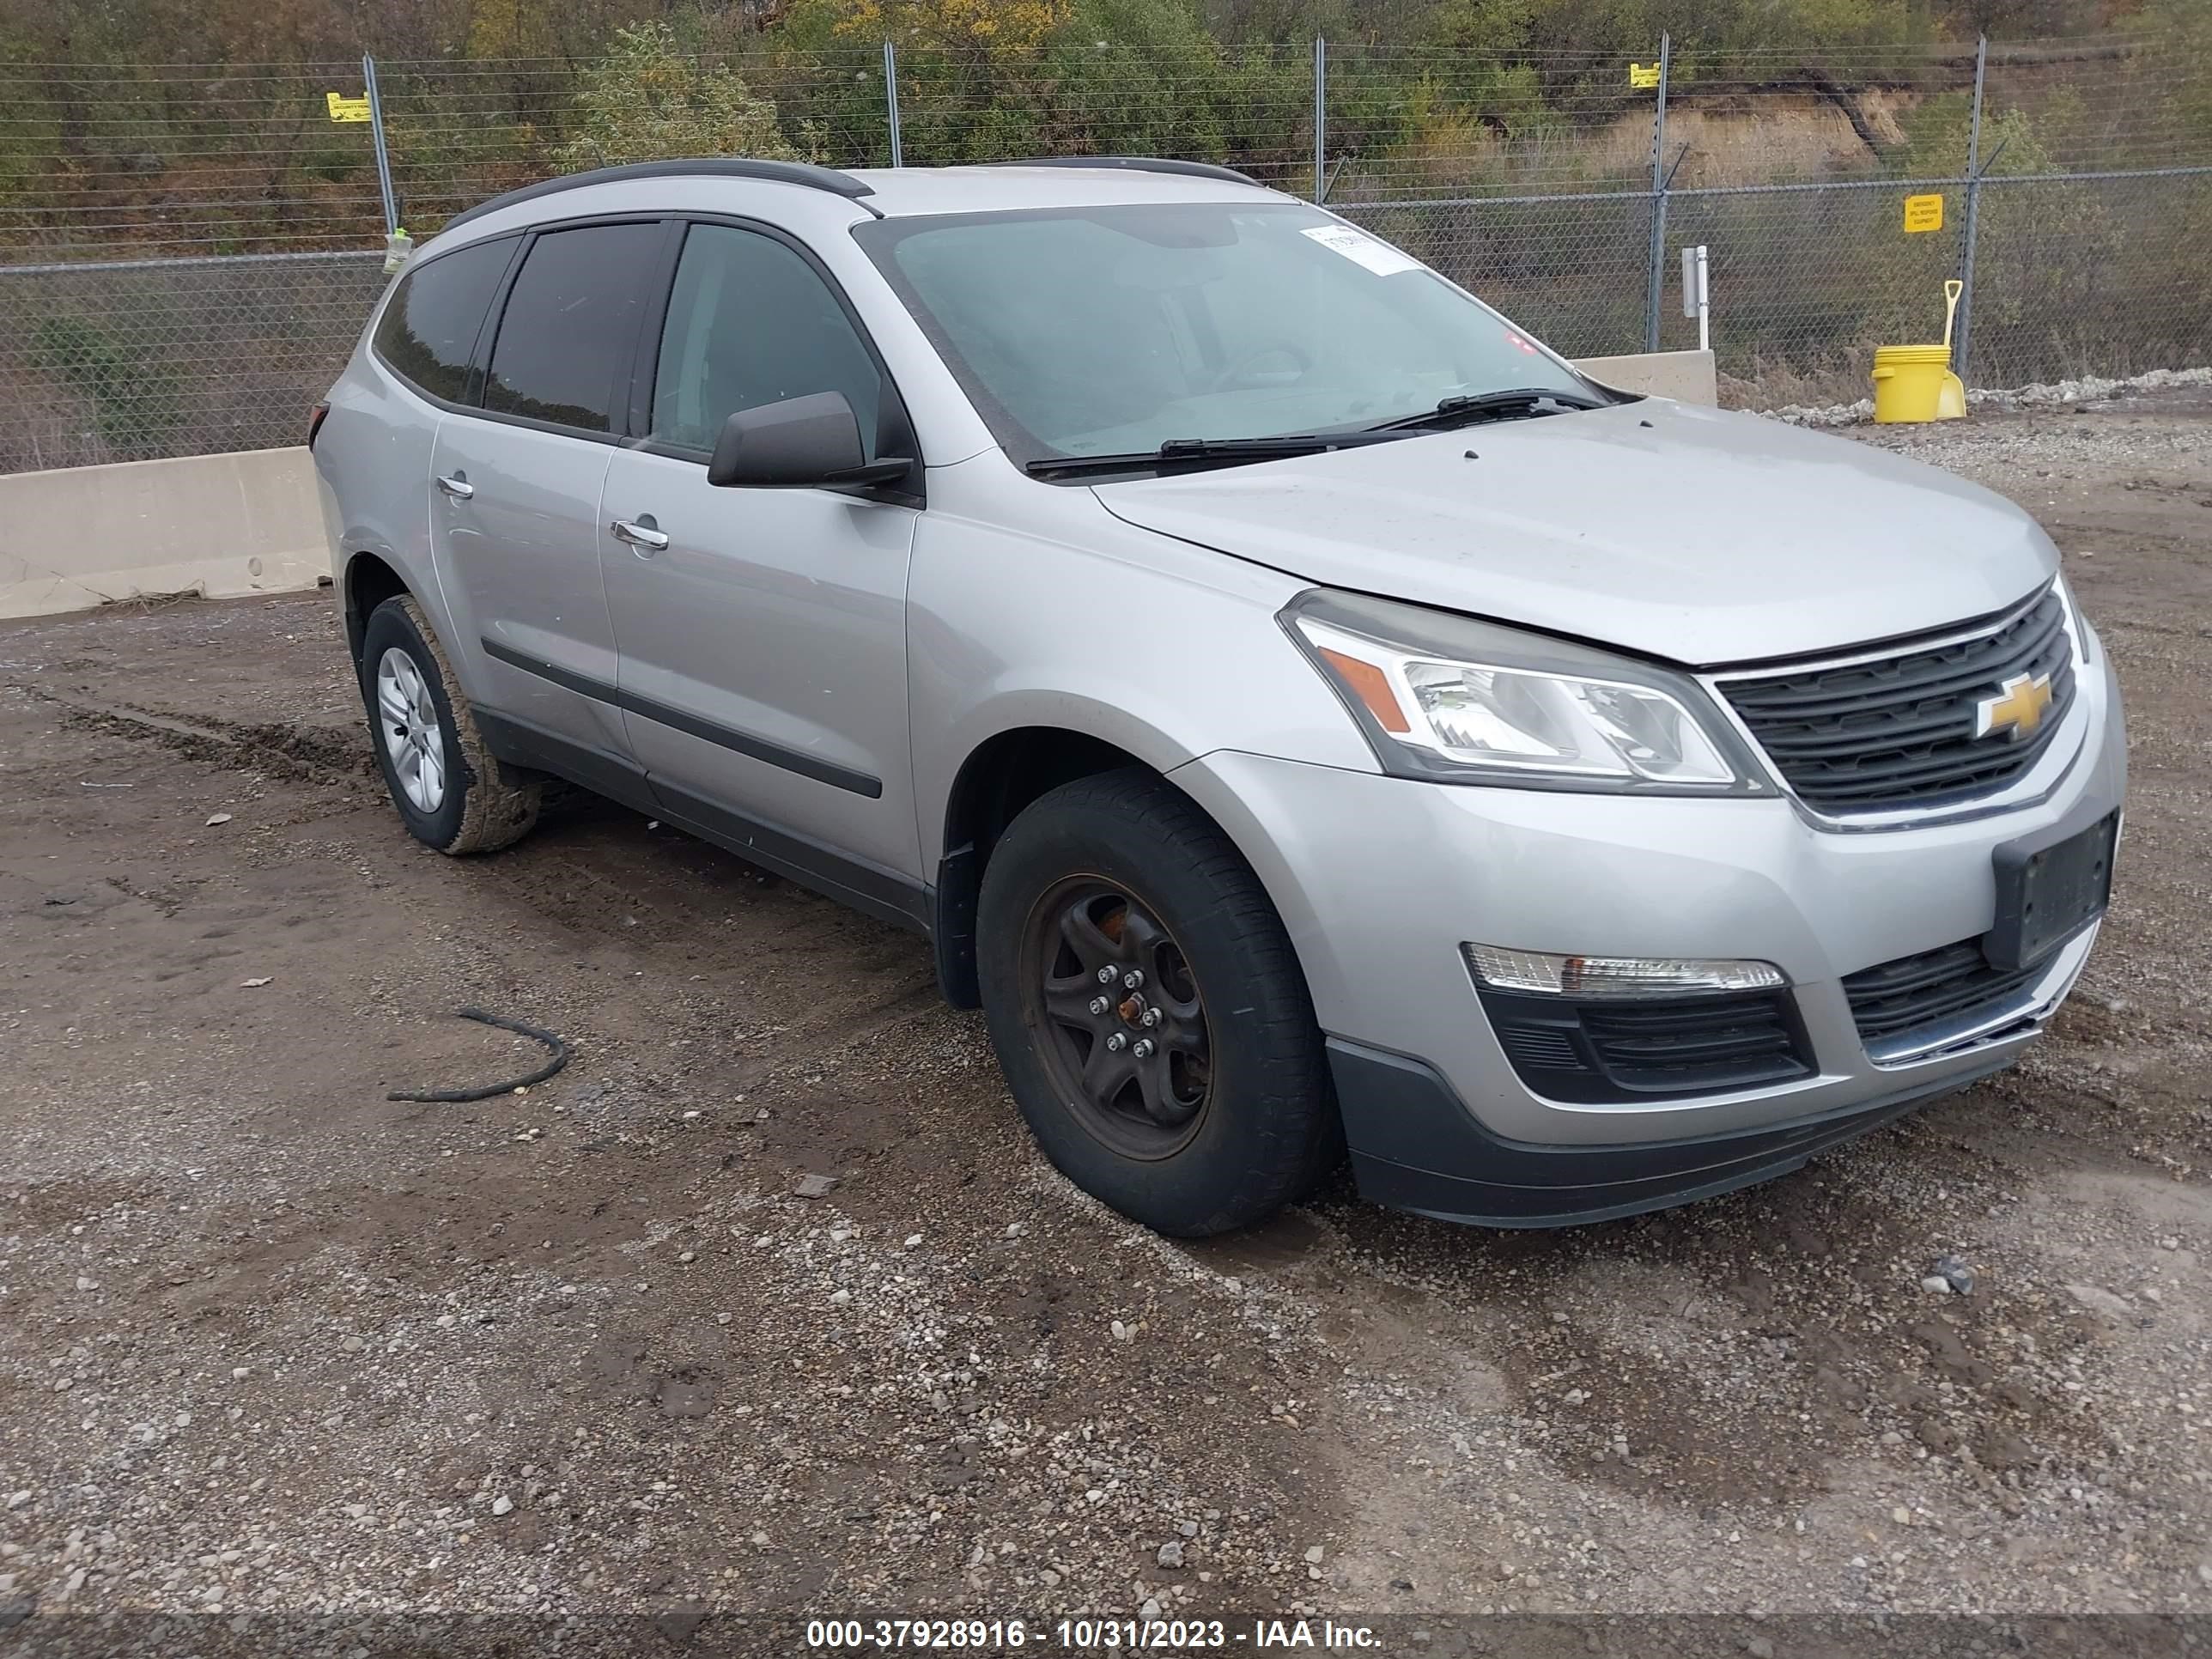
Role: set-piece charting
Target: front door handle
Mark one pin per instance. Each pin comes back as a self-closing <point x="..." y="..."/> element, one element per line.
<point x="641" y="534"/>
<point x="458" y="486"/>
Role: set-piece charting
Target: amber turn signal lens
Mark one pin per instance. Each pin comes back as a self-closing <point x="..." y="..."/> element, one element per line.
<point x="1371" y="686"/>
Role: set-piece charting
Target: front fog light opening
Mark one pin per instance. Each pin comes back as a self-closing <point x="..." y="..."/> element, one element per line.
<point x="1539" y="973"/>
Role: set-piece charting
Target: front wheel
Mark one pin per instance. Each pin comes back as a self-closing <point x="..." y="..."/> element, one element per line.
<point x="1149" y="1011"/>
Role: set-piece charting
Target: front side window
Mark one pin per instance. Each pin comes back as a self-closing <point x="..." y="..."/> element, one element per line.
<point x="751" y="322"/>
<point x="571" y="324"/>
<point x="428" y="331"/>
<point x="1115" y="330"/>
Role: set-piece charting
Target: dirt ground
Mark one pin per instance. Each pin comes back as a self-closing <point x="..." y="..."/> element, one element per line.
<point x="270" y="1340"/>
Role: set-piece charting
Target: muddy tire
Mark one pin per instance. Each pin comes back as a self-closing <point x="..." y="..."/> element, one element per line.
<point x="450" y="790"/>
<point x="1149" y="1011"/>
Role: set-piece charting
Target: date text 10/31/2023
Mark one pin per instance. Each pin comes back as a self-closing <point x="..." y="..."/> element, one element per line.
<point x="1080" y="1635"/>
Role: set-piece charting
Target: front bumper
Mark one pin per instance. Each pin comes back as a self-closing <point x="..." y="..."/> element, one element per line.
<point x="1379" y="881"/>
<point x="1423" y="1152"/>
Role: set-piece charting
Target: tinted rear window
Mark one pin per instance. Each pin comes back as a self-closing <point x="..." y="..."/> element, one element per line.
<point x="427" y="330"/>
<point x="570" y="326"/>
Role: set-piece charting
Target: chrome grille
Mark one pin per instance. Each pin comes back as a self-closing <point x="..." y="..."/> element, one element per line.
<point x="1899" y="731"/>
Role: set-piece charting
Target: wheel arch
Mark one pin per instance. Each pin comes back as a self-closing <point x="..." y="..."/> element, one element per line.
<point x="367" y="581"/>
<point x="998" y="778"/>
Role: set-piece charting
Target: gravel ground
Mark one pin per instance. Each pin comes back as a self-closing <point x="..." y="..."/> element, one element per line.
<point x="270" y="1341"/>
<point x="2012" y="399"/>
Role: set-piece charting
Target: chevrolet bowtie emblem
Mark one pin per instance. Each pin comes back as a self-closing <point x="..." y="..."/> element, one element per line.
<point x="2018" y="707"/>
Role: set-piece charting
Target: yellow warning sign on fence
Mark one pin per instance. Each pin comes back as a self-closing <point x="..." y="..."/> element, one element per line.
<point x="1923" y="213"/>
<point x="1644" y="75"/>
<point x="344" y="108"/>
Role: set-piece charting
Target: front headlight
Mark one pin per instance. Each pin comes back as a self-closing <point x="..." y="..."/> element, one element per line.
<point x="1448" y="698"/>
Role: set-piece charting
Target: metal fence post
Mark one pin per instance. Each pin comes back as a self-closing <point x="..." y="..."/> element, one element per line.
<point x="1320" y="118"/>
<point x="1965" y="333"/>
<point x="383" y="151"/>
<point x="1660" y="175"/>
<point x="891" y="102"/>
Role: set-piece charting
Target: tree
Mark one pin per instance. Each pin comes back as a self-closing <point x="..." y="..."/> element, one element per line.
<point x="646" y="101"/>
<point x="1000" y="24"/>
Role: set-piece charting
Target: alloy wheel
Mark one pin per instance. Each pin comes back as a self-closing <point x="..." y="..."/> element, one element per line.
<point x="408" y="726"/>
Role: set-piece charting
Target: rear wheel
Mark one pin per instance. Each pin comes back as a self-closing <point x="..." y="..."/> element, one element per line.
<point x="1149" y="1011"/>
<point x="449" y="789"/>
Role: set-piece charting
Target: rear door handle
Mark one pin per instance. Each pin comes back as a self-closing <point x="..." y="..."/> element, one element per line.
<point x="458" y="486"/>
<point x="639" y="534"/>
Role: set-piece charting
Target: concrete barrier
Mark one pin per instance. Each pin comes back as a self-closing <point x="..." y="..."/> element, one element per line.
<point x="223" y="525"/>
<point x="1687" y="377"/>
<point x="214" y="526"/>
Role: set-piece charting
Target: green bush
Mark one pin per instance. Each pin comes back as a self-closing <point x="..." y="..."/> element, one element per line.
<point x="646" y="101"/>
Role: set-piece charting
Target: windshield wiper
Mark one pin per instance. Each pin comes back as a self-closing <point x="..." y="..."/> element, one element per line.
<point x="1179" y="452"/>
<point x="1486" y="406"/>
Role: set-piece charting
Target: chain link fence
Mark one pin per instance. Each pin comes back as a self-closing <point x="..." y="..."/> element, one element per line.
<point x="188" y="252"/>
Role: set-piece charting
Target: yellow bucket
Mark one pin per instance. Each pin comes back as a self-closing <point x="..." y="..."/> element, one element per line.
<point x="1908" y="383"/>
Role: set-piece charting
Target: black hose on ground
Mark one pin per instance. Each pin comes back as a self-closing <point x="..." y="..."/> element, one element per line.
<point x="561" y="1052"/>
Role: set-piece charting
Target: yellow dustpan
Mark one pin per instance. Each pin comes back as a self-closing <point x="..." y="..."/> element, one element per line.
<point x="1951" y="400"/>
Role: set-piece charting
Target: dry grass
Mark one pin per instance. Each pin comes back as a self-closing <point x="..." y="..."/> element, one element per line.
<point x="1786" y="136"/>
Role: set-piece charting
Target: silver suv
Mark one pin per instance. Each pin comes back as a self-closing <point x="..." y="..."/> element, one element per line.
<point x="1305" y="714"/>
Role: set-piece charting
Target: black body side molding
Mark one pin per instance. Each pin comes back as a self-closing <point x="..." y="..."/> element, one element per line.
<point x="759" y="748"/>
<point x="883" y="893"/>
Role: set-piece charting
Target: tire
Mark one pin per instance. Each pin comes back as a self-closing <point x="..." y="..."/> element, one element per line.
<point x="1120" y="869"/>
<point x="420" y="721"/>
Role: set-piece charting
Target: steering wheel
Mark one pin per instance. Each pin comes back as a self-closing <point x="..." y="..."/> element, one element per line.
<point x="1240" y="373"/>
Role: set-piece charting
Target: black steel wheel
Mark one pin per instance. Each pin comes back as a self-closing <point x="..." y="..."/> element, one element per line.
<point x="1149" y="1009"/>
<point x="1123" y="1023"/>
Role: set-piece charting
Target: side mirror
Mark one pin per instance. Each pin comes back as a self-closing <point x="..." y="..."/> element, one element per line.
<point x="802" y="443"/>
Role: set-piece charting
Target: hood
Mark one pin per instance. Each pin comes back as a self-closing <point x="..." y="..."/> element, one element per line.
<point x="1695" y="535"/>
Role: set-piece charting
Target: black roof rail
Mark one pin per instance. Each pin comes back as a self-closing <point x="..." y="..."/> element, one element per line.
<point x="1139" y="164"/>
<point x="713" y="166"/>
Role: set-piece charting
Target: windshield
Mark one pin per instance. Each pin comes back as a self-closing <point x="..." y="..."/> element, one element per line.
<point x="1115" y="330"/>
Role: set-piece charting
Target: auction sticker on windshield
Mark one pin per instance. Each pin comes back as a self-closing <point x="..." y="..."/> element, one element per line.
<point x="1363" y="250"/>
